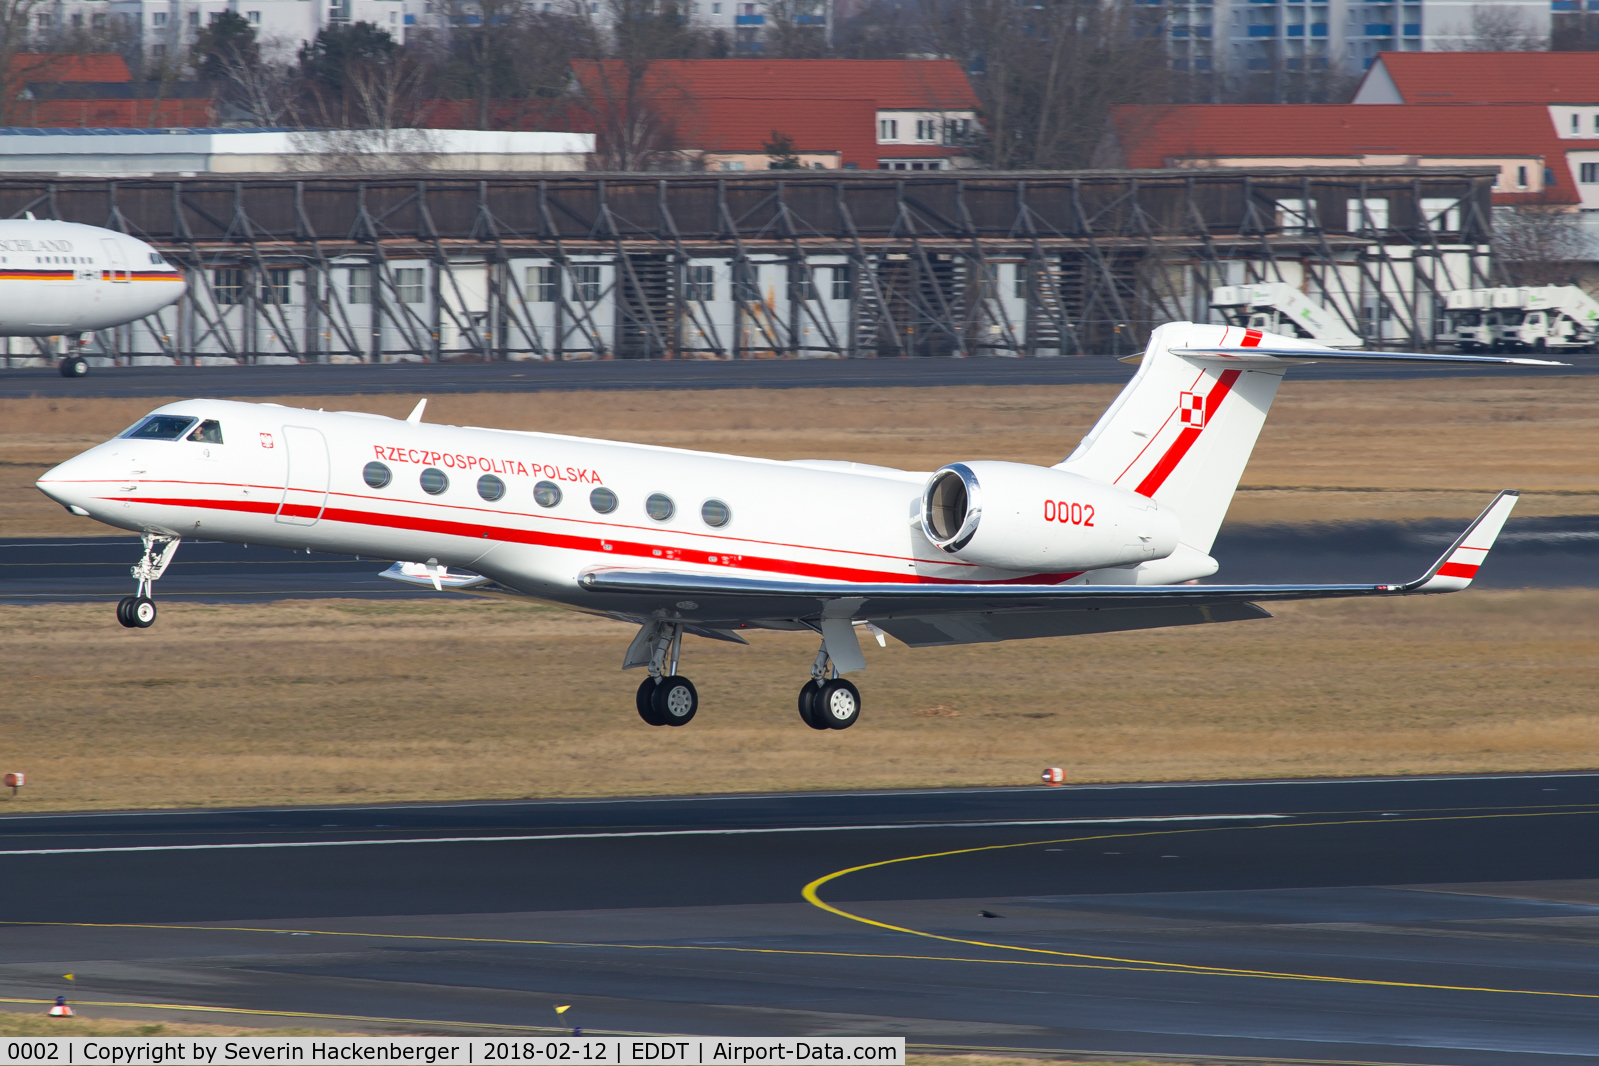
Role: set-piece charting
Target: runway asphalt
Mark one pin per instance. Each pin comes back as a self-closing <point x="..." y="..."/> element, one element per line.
<point x="351" y="379"/>
<point x="1532" y="552"/>
<point x="1450" y="921"/>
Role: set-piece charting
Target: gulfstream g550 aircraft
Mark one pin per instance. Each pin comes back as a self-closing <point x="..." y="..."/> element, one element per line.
<point x="689" y="542"/>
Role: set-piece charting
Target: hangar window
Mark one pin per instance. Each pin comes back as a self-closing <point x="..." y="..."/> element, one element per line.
<point x="275" y="287"/>
<point x="227" y="284"/>
<point x="586" y="284"/>
<point x="434" y="481"/>
<point x="490" y="487"/>
<point x="376" y="475"/>
<point x="716" y="513"/>
<point x="159" y="427"/>
<point x="659" y="506"/>
<point x="603" y="500"/>
<point x="360" y="285"/>
<point x="546" y="494"/>
<point x="208" y="432"/>
<point x="410" y="284"/>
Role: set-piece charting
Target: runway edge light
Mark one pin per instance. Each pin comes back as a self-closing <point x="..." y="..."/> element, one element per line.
<point x="61" y="1010"/>
<point x="15" y="781"/>
<point x="1054" y="775"/>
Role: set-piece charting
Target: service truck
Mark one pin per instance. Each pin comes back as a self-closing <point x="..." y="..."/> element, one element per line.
<point x="1277" y="307"/>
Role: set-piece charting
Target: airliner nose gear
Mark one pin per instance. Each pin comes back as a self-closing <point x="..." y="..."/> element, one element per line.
<point x="138" y="610"/>
<point x="74" y="366"/>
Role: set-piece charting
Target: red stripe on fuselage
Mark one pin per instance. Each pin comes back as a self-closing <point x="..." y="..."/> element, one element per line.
<point x="1186" y="438"/>
<point x="600" y="546"/>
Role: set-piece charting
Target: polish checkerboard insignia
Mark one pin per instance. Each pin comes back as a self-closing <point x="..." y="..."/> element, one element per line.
<point x="1191" y="410"/>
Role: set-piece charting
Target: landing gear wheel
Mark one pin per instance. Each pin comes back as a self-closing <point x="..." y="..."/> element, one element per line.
<point x="838" y="704"/>
<point x="675" y="700"/>
<point x="125" y="611"/>
<point x="142" y="611"/>
<point x="74" y="366"/>
<point x="646" y="705"/>
<point x="807" y="704"/>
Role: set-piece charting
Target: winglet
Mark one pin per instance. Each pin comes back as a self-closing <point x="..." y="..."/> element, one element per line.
<point x="1456" y="567"/>
<point x="416" y="413"/>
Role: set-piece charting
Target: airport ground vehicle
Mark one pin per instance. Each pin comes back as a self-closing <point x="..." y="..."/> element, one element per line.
<point x="1277" y="307"/>
<point x="1550" y="318"/>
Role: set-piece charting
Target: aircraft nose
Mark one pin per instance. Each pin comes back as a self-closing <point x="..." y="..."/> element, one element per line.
<point x="71" y="484"/>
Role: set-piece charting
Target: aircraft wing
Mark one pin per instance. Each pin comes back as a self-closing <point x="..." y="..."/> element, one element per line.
<point x="932" y="614"/>
<point x="1340" y="355"/>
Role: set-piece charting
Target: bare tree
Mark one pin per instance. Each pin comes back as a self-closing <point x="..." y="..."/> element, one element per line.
<point x="796" y="29"/>
<point x="16" y="24"/>
<point x="1498" y="28"/>
<point x="1048" y="75"/>
<point x="1541" y="244"/>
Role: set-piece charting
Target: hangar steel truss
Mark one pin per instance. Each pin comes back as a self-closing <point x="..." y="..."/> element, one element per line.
<point x="381" y="267"/>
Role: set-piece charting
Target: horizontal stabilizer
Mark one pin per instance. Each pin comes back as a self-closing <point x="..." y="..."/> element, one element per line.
<point x="1335" y="355"/>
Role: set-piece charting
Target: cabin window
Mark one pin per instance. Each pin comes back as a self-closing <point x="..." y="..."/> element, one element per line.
<point x="159" y="427"/>
<point x="546" y="494"/>
<point x="434" y="481"/>
<point x="376" y="475"/>
<point x="716" y="513"/>
<point x="208" y="432"/>
<point x="659" y="506"/>
<point x="490" y="487"/>
<point x="603" y="500"/>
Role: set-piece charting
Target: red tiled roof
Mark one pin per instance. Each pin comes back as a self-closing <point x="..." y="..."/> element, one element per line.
<point x="896" y="84"/>
<point x="1492" y="77"/>
<point x="44" y="66"/>
<point x="1152" y="136"/>
<point x="745" y="125"/>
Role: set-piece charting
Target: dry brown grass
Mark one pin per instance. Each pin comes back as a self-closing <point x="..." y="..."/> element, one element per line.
<point x="1331" y="450"/>
<point x="350" y="701"/>
<point x="15" y="1024"/>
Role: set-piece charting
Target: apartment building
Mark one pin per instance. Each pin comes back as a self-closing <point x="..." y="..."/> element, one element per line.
<point x="166" y="28"/>
<point x="1257" y="37"/>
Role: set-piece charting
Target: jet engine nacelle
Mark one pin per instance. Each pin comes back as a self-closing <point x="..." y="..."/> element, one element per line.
<point x="1019" y="517"/>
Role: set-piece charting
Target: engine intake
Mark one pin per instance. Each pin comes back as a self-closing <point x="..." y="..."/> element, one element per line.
<point x="1018" y="517"/>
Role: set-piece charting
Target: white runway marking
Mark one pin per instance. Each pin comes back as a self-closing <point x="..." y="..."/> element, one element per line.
<point x="641" y="833"/>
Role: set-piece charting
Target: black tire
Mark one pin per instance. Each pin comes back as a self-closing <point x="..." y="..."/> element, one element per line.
<point x="675" y="700"/>
<point x="646" y="706"/>
<point x="838" y="704"/>
<point x="125" y="612"/>
<point x="74" y="366"/>
<point x="807" y="704"/>
<point x="142" y="611"/>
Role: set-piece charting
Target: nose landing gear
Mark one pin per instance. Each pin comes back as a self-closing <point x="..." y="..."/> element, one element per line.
<point x="665" y="698"/>
<point x="138" y="611"/>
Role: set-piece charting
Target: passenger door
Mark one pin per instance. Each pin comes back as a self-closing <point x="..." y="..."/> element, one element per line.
<point x="305" y="485"/>
<point x="117" y="262"/>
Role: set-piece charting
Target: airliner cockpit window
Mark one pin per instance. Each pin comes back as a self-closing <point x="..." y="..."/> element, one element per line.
<point x="209" y="432"/>
<point x="160" y="427"/>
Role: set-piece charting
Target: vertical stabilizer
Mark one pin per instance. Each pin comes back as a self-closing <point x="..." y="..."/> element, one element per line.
<point x="1182" y="430"/>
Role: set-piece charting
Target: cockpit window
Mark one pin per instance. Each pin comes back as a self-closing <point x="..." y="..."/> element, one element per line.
<point x="208" y="432"/>
<point x="155" y="259"/>
<point x="160" y="427"/>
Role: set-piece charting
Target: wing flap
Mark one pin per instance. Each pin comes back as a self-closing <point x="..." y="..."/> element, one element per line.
<point x="932" y="631"/>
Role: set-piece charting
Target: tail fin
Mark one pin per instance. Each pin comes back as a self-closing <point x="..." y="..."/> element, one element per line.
<point x="1182" y="430"/>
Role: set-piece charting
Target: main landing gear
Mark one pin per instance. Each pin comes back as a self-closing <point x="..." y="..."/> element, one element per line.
<point x="138" y="611"/>
<point x="665" y="698"/>
<point x="828" y="702"/>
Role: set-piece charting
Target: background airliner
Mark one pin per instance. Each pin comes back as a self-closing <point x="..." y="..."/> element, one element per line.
<point x="62" y="278"/>
<point x="691" y="542"/>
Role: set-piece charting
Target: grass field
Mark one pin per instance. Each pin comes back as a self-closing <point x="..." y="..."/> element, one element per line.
<point x="1331" y="450"/>
<point x="356" y="701"/>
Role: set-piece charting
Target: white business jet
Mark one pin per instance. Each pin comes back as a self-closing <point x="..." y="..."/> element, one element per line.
<point x="682" y="542"/>
<point x="64" y="278"/>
